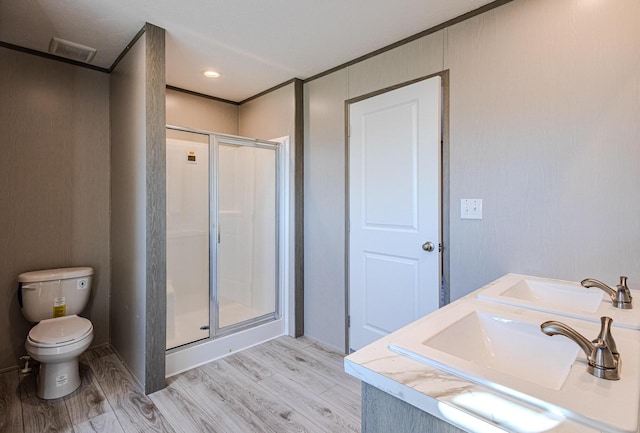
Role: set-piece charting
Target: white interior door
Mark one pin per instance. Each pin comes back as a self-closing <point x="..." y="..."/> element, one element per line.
<point x="394" y="210"/>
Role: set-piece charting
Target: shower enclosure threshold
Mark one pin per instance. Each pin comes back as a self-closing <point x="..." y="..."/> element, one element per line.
<point x="186" y="358"/>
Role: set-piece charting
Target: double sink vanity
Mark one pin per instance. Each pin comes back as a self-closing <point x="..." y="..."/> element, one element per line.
<point x="522" y="354"/>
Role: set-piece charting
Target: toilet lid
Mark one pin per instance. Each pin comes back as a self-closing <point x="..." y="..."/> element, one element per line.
<point x="60" y="330"/>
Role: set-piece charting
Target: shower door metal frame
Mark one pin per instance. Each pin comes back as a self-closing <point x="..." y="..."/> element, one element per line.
<point x="214" y="306"/>
<point x="234" y="140"/>
<point x="208" y="162"/>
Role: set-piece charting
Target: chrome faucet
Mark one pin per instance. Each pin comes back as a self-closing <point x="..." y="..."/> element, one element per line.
<point x="602" y="354"/>
<point x="620" y="296"/>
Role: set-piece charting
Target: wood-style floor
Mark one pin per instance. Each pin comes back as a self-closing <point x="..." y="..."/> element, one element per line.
<point x="285" y="385"/>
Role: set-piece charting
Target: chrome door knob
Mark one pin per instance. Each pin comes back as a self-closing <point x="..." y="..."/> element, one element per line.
<point x="428" y="246"/>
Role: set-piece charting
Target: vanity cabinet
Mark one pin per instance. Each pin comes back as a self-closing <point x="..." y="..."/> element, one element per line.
<point x="384" y="413"/>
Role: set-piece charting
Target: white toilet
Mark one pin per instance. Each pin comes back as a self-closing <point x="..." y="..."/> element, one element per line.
<point x="53" y="298"/>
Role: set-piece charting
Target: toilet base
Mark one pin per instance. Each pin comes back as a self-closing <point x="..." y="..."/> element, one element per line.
<point x="59" y="379"/>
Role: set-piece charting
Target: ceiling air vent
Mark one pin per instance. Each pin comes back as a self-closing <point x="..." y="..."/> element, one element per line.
<point x="71" y="50"/>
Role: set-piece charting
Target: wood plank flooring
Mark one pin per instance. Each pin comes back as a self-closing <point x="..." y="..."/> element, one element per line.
<point x="284" y="385"/>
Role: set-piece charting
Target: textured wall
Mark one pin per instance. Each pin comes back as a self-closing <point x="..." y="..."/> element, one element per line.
<point x="424" y="56"/>
<point x="190" y="111"/>
<point x="54" y="184"/>
<point x="324" y="208"/>
<point x="544" y="102"/>
<point x="269" y="116"/>
<point x="129" y="209"/>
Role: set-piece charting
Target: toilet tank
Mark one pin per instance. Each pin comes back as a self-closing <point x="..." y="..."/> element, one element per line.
<point x="54" y="292"/>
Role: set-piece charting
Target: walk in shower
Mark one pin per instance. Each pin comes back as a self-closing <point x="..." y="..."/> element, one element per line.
<point x="223" y="235"/>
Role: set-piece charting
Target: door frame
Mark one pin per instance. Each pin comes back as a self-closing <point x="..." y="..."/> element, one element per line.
<point x="444" y="185"/>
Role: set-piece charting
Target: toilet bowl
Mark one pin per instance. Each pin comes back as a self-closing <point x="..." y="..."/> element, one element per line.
<point x="56" y="344"/>
<point x="52" y="298"/>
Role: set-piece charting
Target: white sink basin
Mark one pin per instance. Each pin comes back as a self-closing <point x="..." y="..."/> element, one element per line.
<point x="509" y="347"/>
<point x="556" y="295"/>
<point x="565" y="298"/>
<point x="503" y="349"/>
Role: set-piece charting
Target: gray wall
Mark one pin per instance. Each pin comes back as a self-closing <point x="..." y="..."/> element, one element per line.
<point x="54" y="184"/>
<point x="544" y="102"/>
<point x="128" y="208"/>
<point x="138" y="234"/>
<point x="269" y="116"/>
<point x="324" y="211"/>
<point x="196" y="112"/>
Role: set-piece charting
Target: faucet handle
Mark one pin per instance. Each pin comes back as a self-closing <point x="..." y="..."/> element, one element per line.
<point x="624" y="299"/>
<point x="623" y="283"/>
<point x="604" y="361"/>
<point x="606" y="337"/>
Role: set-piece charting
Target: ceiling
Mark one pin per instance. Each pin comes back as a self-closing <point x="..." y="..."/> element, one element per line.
<point x="254" y="44"/>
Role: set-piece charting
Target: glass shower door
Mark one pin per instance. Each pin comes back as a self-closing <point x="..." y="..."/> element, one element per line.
<point x="247" y="253"/>
<point x="188" y="240"/>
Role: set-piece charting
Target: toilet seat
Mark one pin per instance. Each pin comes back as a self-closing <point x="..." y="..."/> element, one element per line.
<point x="60" y="331"/>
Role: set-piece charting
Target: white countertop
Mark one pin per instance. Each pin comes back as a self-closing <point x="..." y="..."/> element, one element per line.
<point x="437" y="392"/>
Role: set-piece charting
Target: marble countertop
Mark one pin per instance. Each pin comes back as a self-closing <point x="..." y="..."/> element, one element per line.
<point x="437" y="392"/>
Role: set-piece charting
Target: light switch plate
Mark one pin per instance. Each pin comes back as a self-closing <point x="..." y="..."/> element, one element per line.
<point x="471" y="208"/>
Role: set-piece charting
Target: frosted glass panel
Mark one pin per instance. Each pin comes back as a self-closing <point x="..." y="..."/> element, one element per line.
<point x="187" y="238"/>
<point x="247" y="250"/>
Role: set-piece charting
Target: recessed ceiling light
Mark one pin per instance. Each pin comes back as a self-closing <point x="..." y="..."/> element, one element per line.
<point x="210" y="73"/>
